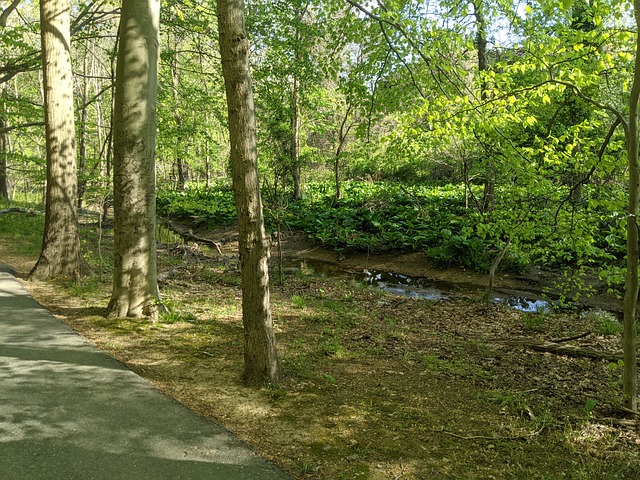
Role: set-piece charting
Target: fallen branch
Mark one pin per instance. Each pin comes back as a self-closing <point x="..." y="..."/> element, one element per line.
<point x="187" y="234"/>
<point x="571" y="350"/>
<point x="619" y="422"/>
<point x="568" y="339"/>
<point x="495" y="437"/>
<point x="17" y="210"/>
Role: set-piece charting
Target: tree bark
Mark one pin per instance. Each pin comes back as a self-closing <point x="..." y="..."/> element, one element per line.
<point x="135" y="285"/>
<point x="342" y="140"/>
<point x="260" y="355"/>
<point x="4" y="151"/>
<point x="60" y="255"/>
<point x="82" y="153"/>
<point x="296" y="169"/>
<point x="179" y="149"/>
<point x="630" y="336"/>
<point x="489" y="195"/>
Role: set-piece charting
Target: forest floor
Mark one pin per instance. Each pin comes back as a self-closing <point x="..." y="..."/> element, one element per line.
<point x="375" y="385"/>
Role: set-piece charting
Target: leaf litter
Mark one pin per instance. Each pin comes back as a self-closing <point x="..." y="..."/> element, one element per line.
<point x="375" y="386"/>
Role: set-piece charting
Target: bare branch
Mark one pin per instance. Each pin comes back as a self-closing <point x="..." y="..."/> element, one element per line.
<point x="7" y="11"/>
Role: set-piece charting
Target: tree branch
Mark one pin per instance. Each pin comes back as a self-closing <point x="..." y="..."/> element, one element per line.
<point x="7" y="11"/>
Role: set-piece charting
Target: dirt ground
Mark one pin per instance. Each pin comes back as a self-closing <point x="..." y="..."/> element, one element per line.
<point x="374" y="385"/>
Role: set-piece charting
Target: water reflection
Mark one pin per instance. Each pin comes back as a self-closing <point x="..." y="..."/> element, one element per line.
<point x="525" y="304"/>
<point x="412" y="287"/>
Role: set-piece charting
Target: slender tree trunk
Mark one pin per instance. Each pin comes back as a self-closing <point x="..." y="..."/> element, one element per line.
<point x="60" y="255"/>
<point x="82" y="153"/>
<point x="296" y="169"/>
<point x="489" y="196"/>
<point x="4" y="153"/>
<point x="108" y="159"/>
<point x="260" y="355"/>
<point x="4" y="145"/>
<point x="135" y="286"/>
<point x="342" y="139"/>
<point x="175" y="81"/>
<point x="630" y="336"/>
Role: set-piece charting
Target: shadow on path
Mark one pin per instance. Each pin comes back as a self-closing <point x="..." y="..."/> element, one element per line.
<point x="69" y="411"/>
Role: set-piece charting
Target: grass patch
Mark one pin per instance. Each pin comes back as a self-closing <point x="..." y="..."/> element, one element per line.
<point x="22" y="232"/>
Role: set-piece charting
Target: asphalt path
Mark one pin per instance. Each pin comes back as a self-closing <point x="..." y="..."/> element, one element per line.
<point x="69" y="411"/>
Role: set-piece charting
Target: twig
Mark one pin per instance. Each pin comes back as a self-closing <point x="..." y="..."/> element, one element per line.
<point x="626" y="410"/>
<point x="568" y="339"/>
<point x="482" y="437"/>
<point x="619" y="422"/>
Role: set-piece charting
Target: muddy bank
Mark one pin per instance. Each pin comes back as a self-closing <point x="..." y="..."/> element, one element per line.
<point x="294" y="248"/>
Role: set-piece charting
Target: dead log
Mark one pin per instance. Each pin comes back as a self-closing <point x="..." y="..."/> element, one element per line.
<point x="571" y="350"/>
<point x="18" y="210"/>
<point x="187" y="234"/>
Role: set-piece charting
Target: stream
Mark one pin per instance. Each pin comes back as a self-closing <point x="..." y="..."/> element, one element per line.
<point x="390" y="282"/>
<point x="410" y="286"/>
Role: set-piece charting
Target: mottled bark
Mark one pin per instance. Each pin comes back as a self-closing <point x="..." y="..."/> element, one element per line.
<point x="60" y="255"/>
<point x="260" y="355"/>
<point x="135" y="287"/>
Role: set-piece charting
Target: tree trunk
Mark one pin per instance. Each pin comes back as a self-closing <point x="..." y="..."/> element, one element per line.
<point x="342" y="140"/>
<point x="489" y="195"/>
<point x="135" y="286"/>
<point x="629" y="338"/>
<point x="295" y="138"/>
<point x="175" y="82"/>
<point x="4" y="151"/>
<point x="260" y="355"/>
<point x="60" y="255"/>
<point x="82" y="154"/>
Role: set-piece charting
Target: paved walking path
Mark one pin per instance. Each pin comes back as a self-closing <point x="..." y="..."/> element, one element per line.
<point x="69" y="411"/>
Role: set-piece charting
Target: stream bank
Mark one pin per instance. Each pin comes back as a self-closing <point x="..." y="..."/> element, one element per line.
<point x="408" y="274"/>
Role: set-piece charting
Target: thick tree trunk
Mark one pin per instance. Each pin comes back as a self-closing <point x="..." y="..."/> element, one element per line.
<point x="60" y="255"/>
<point x="260" y="355"/>
<point x="630" y="336"/>
<point x="135" y="286"/>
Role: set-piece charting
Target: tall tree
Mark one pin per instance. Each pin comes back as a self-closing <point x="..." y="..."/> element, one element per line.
<point x="4" y="178"/>
<point x="260" y="355"/>
<point x="135" y="286"/>
<point x="60" y="255"/>
<point x="630" y="333"/>
<point x="4" y="151"/>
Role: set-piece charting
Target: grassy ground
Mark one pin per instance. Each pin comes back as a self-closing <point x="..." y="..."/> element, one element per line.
<point x="375" y="386"/>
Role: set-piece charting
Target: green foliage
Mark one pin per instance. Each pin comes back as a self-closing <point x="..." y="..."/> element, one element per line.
<point x="298" y="301"/>
<point x="605" y="322"/>
<point x="213" y="206"/>
<point x="551" y="231"/>
<point x="377" y="216"/>
<point x="177" y="317"/>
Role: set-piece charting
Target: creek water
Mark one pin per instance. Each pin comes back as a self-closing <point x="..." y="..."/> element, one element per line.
<point x="390" y="282"/>
<point x="411" y="286"/>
